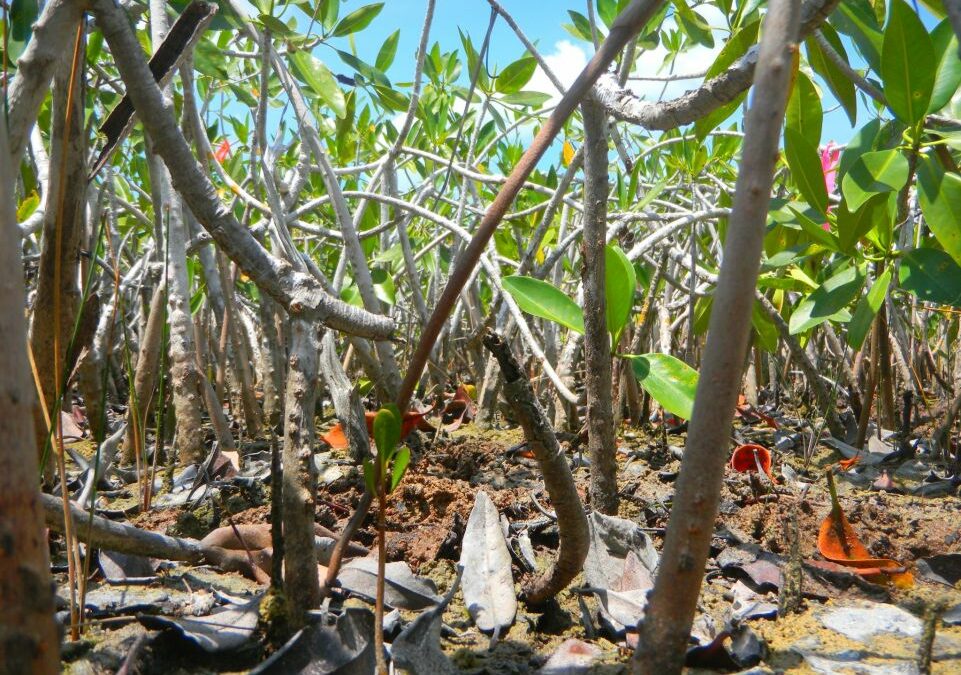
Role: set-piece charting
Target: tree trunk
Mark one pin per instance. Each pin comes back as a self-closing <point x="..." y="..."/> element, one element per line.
<point x="184" y="375"/>
<point x="301" y="580"/>
<point x="597" y="340"/>
<point x="29" y="640"/>
<point x="142" y="392"/>
<point x="665" y="630"/>
<point x="58" y="294"/>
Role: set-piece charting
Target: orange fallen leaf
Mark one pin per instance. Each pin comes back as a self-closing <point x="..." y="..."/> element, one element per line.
<point x="846" y="464"/>
<point x="839" y="543"/>
<point x="747" y="458"/>
<point x="337" y="439"/>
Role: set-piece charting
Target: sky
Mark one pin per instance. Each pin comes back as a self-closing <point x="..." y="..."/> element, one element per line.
<point x="542" y="22"/>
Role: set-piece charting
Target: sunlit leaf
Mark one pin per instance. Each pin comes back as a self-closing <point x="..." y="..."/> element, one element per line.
<point x="320" y="80"/>
<point x="932" y="275"/>
<point x="545" y="301"/>
<point x="357" y="20"/>
<point x="669" y="381"/>
<point x="908" y="64"/>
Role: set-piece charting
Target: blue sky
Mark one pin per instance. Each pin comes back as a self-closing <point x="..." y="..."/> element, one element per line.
<point x="542" y="22"/>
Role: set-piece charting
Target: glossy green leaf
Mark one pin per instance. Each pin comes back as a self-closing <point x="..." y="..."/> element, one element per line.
<point x="932" y="275"/>
<point x="668" y="380"/>
<point x="535" y="99"/>
<point x="908" y="64"/>
<point x="872" y="173"/>
<point x="764" y="329"/>
<point x="948" y="78"/>
<point x="387" y="425"/>
<point x="802" y="159"/>
<point x="804" y="113"/>
<point x="856" y="19"/>
<point x="357" y="20"/>
<point x="693" y="24"/>
<point x="816" y="231"/>
<point x="21" y="17"/>
<point x="867" y="308"/>
<point x="392" y="99"/>
<point x="620" y="283"/>
<point x="320" y="80"/>
<point x="852" y="227"/>
<point x="881" y="234"/>
<point x="939" y="193"/>
<point x="543" y="300"/>
<point x="581" y="27"/>
<point x="828" y="300"/>
<point x="401" y="462"/>
<point x="383" y="285"/>
<point x="840" y="84"/>
<point x="861" y="142"/>
<point x="513" y="78"/>
<point x="370" y="479"/>
<point x="276" y="26"/>
<point x="387" y="51"/>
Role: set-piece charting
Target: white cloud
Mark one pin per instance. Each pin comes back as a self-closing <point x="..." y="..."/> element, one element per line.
<point x="566" y="62"/>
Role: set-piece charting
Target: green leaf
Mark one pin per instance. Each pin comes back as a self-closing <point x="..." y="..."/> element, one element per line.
<point x="383" y="285"/>
<point x="391" y="98"/>
<point x="668" y="380"/>
<point x="357" y="20"/>
<point x="733" y="49"/>
<point x="620" y="283"/>
<point x="827" y="301"/>
<point x="534" y="99"/>
<point x="949" y="66"/>
<point x="804" y="113"/>
<point x="908" y="64"/>
<point x="932" y="275"/>
<point x="370" y="479"/>
<point x="867" y="308"/>
<point x="387" y="425"/>
<point x="513" y="78"/>
<point x="840" y="84"/>
<point x="320" y="80"/>
<point x="874" y="172"/>
<point x="861" y="142"/>
<point x="693" y="24"/>
<point x="852" y="227"/>
<point x="401" y="462"/>
<point x="764" y="328"/>
<point x="385" y="57"/>
<point x="582" y="26"/>
<point x="939" y="193"/>
<point x="276" y="26"/>
<point x="23" y="14"/>
<point x="856" y="19"/>
<point x="802" y="158"/>
<point x="816" y="231"/>
<point x="540" y="299"/>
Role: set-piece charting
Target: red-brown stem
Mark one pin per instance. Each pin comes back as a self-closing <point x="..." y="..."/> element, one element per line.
<point x="628" y="23"/>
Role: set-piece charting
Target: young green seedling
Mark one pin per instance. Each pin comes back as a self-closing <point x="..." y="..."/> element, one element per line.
<point x="382" y="474"/>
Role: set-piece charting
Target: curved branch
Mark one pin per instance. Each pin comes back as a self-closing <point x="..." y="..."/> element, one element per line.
<point x="624" y="104"/>
<point x="299" y="293"/>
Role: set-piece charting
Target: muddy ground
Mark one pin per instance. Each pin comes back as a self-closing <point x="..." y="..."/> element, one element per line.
<point x="426" y="522"/>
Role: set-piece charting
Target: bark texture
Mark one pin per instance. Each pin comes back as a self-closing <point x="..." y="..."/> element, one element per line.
<point x="299" y="293"/>
<point x="301" y="581"/>
<point x="597" y="342"/>
<point x="665" y="630"/>
<point x="29" y="642"/>
<point x="571" y="519"/>
<point x="58" y="292"/>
